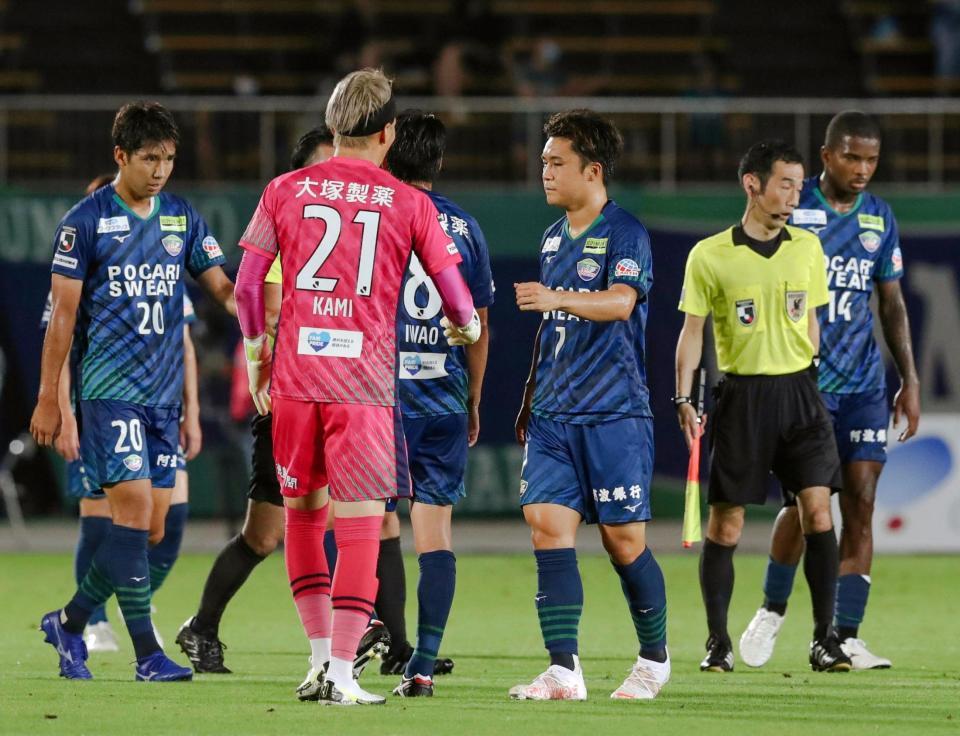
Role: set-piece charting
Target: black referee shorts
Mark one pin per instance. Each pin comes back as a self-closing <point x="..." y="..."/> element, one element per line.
<point x="770" y="423"/>
<point x="263" y="477"/>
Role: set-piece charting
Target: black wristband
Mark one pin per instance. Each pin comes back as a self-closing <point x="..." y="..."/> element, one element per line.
<point x="678" y="400"/>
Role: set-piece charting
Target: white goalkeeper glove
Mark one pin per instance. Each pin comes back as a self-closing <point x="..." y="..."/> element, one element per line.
<point x="259" y="354"/>
<point x="466" y="335"/>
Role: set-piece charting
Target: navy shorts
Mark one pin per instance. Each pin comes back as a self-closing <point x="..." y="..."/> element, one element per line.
<point x="601" y="471"/>
<point x="122" y="441"/>
<point x="79" y="484"/>
<point x="437" y="453"/>
<point x="860" y="422"/>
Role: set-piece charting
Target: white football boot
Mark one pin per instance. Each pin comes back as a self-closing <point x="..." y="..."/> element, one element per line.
<point x="757" y="642"/>
<point x="556" y="683"/>
<point x="309" y="689"/>
<point x="861" y="657"/>
<point x="100" y="637"/>
<point x="645" y="680"/>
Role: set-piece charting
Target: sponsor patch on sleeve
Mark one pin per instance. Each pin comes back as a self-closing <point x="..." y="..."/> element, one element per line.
<point x="65" y="261"/>
<point x="452" y="248"/>
<point x="627" y="268"/>
<point x="896" y="260"/>
<point x="212" y="248"/>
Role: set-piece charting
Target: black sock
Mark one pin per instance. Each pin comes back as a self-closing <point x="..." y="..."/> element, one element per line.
<point x="780" y="608"/>
<point x="564" y="660"/>
<point x="229" y="572"/>
<point x="392" y="593"/>
<point x="820" y="564"/>
<point x="716" y="585"/>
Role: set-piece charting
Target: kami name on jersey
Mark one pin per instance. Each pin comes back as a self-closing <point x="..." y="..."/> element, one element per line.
<point x="145" y="279"/>
<point x="848" y="273"/>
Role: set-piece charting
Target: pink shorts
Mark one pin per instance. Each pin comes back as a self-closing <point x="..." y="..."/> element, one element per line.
<point x="356" y="449"/>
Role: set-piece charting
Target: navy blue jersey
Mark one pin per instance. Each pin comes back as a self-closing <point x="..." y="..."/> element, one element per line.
<point x="433" y="375"/>
<point x="593" y="372"/>
<point x="860" y="246"/>
<point x="130" y="320"/>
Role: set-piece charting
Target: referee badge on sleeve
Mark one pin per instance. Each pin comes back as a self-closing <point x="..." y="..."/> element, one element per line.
<point x="796" y="304"/>
<point x="746" y="312"/>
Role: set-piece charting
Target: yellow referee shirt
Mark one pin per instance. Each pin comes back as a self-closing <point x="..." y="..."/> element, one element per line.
<point x="759" y="304"/>
<point x="274" y="275"/>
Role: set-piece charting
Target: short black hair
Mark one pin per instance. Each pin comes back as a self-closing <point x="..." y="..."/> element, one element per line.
<point x="139" y="123"/>
<point x="593" y="138"/>
<point x="417" y="153"/>
<point x="761" y="157"/>
<point x="308" y="143"/>
<point x="852" y="124"/>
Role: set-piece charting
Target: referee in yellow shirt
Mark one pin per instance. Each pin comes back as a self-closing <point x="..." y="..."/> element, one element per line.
<point x="762" y="281"/>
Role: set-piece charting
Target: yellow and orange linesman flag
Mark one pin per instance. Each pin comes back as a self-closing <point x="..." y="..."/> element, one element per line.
<point x="691" y="507"/>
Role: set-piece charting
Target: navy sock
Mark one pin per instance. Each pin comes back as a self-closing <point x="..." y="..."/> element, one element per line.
<point x="559" y="602"/>
<point x="852" y="593"/>
<point x="643" y="587"/>
<point x="778" y="585"/>
<point x="330" y="549"/>
<point x="438" y="578"/>
<point x="94" y="590"/>
<point x="163" y="555"/>
<point x="130" y="575"/>
<point x="93" y="530"/>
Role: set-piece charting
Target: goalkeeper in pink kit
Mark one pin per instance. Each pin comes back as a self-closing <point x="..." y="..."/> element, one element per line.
<point x="345" y="230"/>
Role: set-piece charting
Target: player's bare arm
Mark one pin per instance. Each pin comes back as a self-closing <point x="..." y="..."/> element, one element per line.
<point x="216" y="283"/>
<point x="476" y="367"/>
<point x="896" y="333"/>
<point x="272" y="296"/>
<point x="191" y="436"/>
<point x="45" y="422"/>
<point x="67" y="443"/>
<point x="610" y="305"/>
<point x="813" y="329"/>
<point x="523" y="418"/>
<point x="689" y="353"/>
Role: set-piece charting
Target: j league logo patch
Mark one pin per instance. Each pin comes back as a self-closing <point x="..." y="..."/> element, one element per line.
<point x="746" y="312"/>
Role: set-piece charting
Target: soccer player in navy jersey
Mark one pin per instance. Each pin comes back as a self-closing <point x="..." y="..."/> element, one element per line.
<point x="117" y="277"/>
<point x="440" y="388"/>
<point x="861" y="246"/>
<point x="585" y="420"/>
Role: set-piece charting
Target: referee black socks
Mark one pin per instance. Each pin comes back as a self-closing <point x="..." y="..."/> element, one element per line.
<point x="230" y="571"/>
<point x="820" y="568"/>
<point x="716" y="585"/>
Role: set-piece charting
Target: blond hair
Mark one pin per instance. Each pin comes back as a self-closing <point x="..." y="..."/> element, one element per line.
<point x="355" y="98"/>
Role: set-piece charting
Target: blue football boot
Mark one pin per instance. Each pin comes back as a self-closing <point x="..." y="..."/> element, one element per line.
<point x="70" y="647"/>
<point x="158" y="667"/>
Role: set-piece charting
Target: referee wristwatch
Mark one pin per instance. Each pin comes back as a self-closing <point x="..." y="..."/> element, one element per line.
<point x="678" y="401"/>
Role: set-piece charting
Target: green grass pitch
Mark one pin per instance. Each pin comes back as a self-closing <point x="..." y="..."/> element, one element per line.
<point x="493" y="636"/>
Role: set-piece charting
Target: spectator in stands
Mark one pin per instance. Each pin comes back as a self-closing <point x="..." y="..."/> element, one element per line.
<point x="945" y="34"/>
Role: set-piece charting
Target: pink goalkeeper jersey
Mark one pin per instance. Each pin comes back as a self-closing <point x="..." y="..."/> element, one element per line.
<point x="346" y="229"/>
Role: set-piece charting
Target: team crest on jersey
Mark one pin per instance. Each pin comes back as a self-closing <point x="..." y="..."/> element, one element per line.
<point x="746" y="312"/>
<point x="587" y="269"/>
<point x="809" y="217"/>
<point x="212" y="248"/>
<point x="627" y="268"/>
<point x="133" y="462"/>
<point x="796" y="304"/>
<point x="172" y="244"/>
<point x="68" y="237"/>
<point x="870" y="241"/>
<point x="595" y="246"/>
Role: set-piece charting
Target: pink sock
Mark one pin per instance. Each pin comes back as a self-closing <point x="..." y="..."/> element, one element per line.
<point x="354" y="581"/>
<point x="307" y="569"/>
